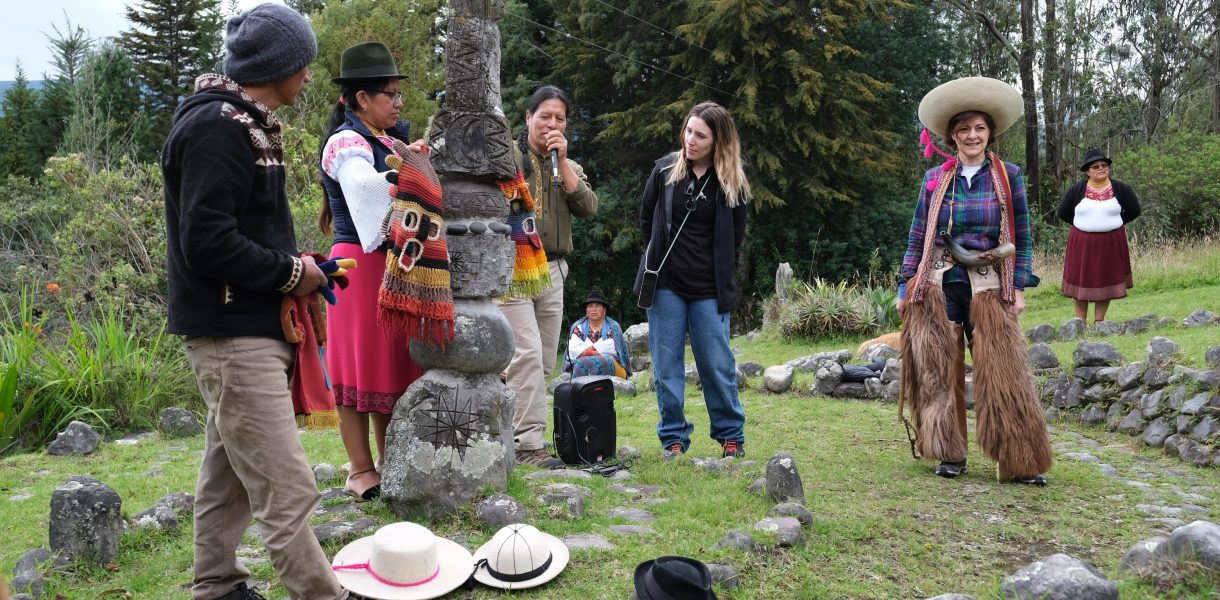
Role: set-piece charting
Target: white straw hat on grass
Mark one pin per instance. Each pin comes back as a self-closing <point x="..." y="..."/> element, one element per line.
<point x="402" y="561"/>
<point x="518" y="557"/>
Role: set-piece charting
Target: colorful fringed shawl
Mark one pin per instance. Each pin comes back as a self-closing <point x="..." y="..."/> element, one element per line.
<point x="313" y="400"/>
<point x="531" y="274"/>
<point x="415" y="298"/>
<point x="1003" y="188"/>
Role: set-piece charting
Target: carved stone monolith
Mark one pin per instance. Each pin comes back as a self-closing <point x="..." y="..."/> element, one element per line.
<point x="451" y="435"/>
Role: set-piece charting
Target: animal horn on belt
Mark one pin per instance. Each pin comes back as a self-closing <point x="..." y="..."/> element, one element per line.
<point x="971" y="258"/>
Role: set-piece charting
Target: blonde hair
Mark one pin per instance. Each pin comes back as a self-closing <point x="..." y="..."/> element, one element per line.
<point x="726" y="153"/>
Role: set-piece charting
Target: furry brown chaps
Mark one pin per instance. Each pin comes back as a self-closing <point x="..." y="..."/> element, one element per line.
<point x="1010" y="421"/>
<point x="928" y="357"/>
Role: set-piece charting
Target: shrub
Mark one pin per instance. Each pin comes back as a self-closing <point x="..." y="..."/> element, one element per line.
<point x="1176" y="184"/>
<point x="822" y="308"/>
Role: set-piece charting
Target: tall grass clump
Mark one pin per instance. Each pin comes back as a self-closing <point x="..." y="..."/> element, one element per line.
<point x="822" y="308"/>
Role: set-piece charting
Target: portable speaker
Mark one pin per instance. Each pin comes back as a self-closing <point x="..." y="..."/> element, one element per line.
<point x="585" y="426"/>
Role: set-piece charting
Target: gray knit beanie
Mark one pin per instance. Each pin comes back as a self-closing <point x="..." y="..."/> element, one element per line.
<point x="267" y="43"/>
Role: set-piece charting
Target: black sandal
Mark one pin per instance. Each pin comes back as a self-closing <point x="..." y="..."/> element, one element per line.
<point x="368" y="494"/>
<point x="1037" y="480"/>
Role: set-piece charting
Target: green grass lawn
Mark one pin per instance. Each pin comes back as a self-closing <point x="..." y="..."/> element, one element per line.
<point x="884" y="526"/>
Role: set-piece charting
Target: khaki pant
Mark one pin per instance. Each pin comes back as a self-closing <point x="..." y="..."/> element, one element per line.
<point x="535" y="322"/>
<point x="253" y="467"/>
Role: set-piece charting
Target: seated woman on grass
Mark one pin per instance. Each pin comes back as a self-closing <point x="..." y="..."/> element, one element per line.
<point x="597" y="346"/>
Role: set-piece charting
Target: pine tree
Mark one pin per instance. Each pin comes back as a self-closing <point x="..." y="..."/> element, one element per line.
<point x="17" y="156"/>
<point x="107" y="122"/>
<point x="171" y="42"/>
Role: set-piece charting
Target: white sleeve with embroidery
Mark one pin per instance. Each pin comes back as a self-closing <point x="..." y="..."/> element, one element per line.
<point x="348" y="158"/>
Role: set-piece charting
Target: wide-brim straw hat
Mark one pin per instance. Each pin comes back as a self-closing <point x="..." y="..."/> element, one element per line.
<point x="520" y="556"/>
<point x="370" y="60"/>
<point x="402" y="561"/>
<point x="984" y="94"/>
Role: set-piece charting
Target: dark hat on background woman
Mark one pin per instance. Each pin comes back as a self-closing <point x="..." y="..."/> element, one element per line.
<point x="370" y="60"/>
<point x="269" y="42"/>
<point x="1092" y="156"/>
<point x="673" y="578"/>
<point x="596" y="296"/>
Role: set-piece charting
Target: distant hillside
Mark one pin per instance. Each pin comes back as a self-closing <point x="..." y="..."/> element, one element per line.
<point x="5" y="85"/>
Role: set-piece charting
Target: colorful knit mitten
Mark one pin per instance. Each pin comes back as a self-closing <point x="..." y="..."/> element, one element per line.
<point x="415" y="298"/>
<point x="531" y="275"/>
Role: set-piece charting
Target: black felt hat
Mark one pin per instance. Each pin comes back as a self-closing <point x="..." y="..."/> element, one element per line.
<point x="1092" y="156"/>
<point x="673" y="578"/>
<point x="370" y="60"/>
<point x="596" y="296"/>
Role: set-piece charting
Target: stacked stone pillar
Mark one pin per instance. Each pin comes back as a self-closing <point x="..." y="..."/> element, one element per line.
<point x="451" y="435"/>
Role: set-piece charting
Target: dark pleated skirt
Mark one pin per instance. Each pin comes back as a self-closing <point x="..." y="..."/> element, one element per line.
<point x="1097" y="265"/>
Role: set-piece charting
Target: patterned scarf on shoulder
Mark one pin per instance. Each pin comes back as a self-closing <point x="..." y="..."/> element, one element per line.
<point x="531" y="275"/>
<point x="415" y="298"/>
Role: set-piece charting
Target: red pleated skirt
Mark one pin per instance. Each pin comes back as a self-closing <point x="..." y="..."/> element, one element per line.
<point x="368" y="369"/>
<point x="1097" y="265"/>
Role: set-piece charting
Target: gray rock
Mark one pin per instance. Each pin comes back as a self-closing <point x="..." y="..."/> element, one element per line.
<point x="449" y="440"/>
<point x="1107" y="375"/>
<point x="177" y="422"/>
<point x="1058" y="577"/>
<point x="631" y="529"/>
<point x="324" y="472"/>
<point x="850" y="390"/>
<point x="1093" y="415"/>
<point x="1042" y="357"/>
<point x="1164" y="322"/>
<point x="827" y="378"/>
<point x="1095" y="354"/>
<point x="473" y="320"/>
<point x="1139" y="324"/>
<point x="1088" y="375"/>
<point x="1162" y="350"/>
<point x="813" y="361"/>
<point x="1156" y="376"/>
<point x="637" y="339"/>
<point x="86" y="521"/>
<point x="691" y="374"/>
<point x="1041" y="333"/>
<point x="1177" y="398"/>
<point x="758" y="486"/>
<point x="499" y="510"/>
<point x="1212" y="357"/>
<point x="1198" y="542"/>
<point x="628" y="452"/>
<point x="1171" y="444"/>
<point x="557" y="474"/>
<point x="1142" y="557"/>
<point x="159" y="516"/>
<point x="1132" y="424"/>
<point x="891" y="392"/>
<point x="1106" y="328"/>
<point x="892" y="370"/>
<point x="554" y="383"/>
<point x="1183" y="422"/>
<point x="1052" y="385"/>
<point x="736" y="540"/>
<point x="1071" y="329"/>
<point x="873" y="387"/>
<point x="342" y="532"/>
<point x="778" y="379"/>
<point x="1129" y="376"/>
<point x="635" y="490"/>
<point x="1207" y="427"/>
<point x="1131" y="397"/>
<point x="1051" y="415"/>
<point x="750" y="368"/>
<point x="783" y="481"/>
<point x="640" y="362"/>
<point x="587" y="541"/>
<point x="32" y="560"/>
<point x="874" y="351"/>
<point x="1150" y="404"/>
<point x="623" y="387"/>
<point x="1194" y="453"/>
<point x="1156" y="432"/>
<point x="1199" y="318"/>
<point x="482" y="264"/>
<point x="77" y="440"/>
<point x="567" y="488"/>
<point x="564" y="505"/>
<point x="952" y="597"/>
<point x="1069" y="395"/>
<point x="635" y="515"/>
<point x="1096" y="393"/>
<point x="1208" y="380"/>
<point x="794" y="510"/>
<point x="787" y="531"/>
<point x="724" y="576"/>
<point x="29" y="582"/>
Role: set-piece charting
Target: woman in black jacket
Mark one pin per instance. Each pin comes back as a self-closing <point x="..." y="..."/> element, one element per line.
<point x="694" y="213"/>
<point x="1097" y="267"/>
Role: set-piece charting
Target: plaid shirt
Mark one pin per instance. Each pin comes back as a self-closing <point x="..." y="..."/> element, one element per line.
<point x="976" y="222"/>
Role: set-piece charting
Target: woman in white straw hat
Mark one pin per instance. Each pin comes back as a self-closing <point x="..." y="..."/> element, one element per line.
<point x="402" y="561"/>
<point x="968" y="261"/>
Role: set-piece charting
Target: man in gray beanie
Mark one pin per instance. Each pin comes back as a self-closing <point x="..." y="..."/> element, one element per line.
<point x="232" y="260"/>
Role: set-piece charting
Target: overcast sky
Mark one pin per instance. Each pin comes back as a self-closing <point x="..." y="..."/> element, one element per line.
<point x="24" y="25"/>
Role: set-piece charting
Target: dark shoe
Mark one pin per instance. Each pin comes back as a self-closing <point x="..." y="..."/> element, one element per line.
<point x="366" y="493"/>
<point x="733" y="448"/>
<point x="950" y="470"/>
<point x="538" y="457"/>
<point x="1037" y="480"/>
<point x="672" y="452"/>
<point x="242" y="591"/>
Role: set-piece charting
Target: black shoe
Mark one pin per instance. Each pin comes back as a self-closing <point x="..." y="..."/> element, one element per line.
<point x="949" y="470"/>
<point x="242" y="591"/>
<point x="1037" y="480"/>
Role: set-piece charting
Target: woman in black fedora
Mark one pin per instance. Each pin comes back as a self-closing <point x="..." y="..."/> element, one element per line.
<point x="369" y="369"/>
<point x="1097" y="266"/>
<point x="596" y="345"/>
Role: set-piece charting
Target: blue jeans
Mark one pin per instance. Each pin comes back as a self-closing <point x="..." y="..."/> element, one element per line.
<point x="670" y="319"/>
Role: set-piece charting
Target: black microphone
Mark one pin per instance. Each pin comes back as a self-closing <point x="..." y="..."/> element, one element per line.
<point x="556" y="181"/>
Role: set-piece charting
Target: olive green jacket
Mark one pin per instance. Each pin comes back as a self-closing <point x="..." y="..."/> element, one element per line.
<point x="558" y="206"/>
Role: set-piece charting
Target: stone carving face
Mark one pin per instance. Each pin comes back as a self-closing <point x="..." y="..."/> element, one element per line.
<point x="449" y="422"/>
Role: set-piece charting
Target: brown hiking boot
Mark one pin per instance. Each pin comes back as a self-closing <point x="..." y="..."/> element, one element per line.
<point x="538" y="457"/>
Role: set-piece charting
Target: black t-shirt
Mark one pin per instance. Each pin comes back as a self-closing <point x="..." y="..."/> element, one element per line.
<point x="690" y="271"/>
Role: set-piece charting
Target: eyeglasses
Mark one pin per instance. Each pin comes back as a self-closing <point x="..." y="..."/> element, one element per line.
<point x="1099" y="166"/>
<point x="394" y="96"/>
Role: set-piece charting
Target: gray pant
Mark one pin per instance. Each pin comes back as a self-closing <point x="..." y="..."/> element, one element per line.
<point x="254" y="467"/>
<point x="535" y="322"/>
